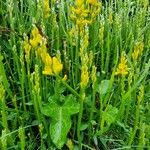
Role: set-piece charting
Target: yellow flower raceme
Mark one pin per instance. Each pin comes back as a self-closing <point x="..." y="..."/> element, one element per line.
<point x="122" y="67"/>
<point x="84" y="77"/>
<point x="80" y="14"/>
<point x="80" y="11"/>
<point x="81" y="22"/>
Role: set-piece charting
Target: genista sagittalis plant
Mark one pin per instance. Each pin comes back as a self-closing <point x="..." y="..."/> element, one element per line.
<point x="74" y="74"/>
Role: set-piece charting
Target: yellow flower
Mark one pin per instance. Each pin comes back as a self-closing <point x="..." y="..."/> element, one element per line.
<point x="36" y="41"/>
<point x="79" y="3"/>
<point x="47" y="70"/>
<point x="57" y="66"/>
<point x="122" y="67"/>
<point x="80" y="14"/>
<point x="84" y="76"/>
<point x="48" y="64"/>
<point x="80" y="11"/>
<point x="81" y="23"/>
<point x="35" y="32"/>
<point x="48" y="60"/>
<point x="43" y="56"/>
<point x="42" y="50"/>
<point x="36" y="37"/>
<point x="52" y="65"/>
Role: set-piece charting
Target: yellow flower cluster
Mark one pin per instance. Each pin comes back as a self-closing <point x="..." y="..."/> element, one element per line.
<point x="138" y="49"/>
<point x="122" y="68"/>
<point x="95" y="8"/>
<point x="52" y="65"/>
<point x="85" y="61"/>
<point x="36" y="41"/>
<point x="80" y="14"/>
<point x="83" y="13"/>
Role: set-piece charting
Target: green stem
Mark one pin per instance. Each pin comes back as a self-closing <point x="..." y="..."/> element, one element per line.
<point x="77" y="59"/>
<point x="102" y="59"/>
<point x="128" y="108"/>
<point x="138" y="81"/>
<point x="100" y="112"/>
<point x="4" y="77"/>
<point x="135" y="124"/>
<point x="4" y="115"/>
<point x="23" y="86"/>
<point x="122" y="106"/>
<point x="68" y="86"/>
<point x="108" y="53"/>
<point x="92" y="111"/>
<point x="79" y="121"/>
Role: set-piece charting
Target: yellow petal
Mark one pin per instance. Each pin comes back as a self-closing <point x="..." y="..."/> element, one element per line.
<point x="48" y="60"/>
<point x="47" y="70"/>
<point x="57" y="66"/>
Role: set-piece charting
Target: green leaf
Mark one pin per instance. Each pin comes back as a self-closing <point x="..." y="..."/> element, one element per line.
<point x="84" y="126"/>
<point x="104" y="87"/>
<point x="110" y="114"/>
<point x="60" y="118"/>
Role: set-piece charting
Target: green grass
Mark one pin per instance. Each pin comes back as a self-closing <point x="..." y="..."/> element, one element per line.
<point x="87" y="110"/>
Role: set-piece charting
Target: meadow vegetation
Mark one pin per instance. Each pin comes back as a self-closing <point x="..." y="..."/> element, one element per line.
<point x="74" y="74"/>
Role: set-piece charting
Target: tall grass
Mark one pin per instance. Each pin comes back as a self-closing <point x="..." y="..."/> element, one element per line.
<point x="74" y="74"/>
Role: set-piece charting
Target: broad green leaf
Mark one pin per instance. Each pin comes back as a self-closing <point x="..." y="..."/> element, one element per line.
<point x="110" y="114"/>
<point x="60" y="119"/>
<point x="103" y="87"/>
<point x="84" y="126"/>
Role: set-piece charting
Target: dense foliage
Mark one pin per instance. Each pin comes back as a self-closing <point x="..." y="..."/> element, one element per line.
<point x="74" y="74"/>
